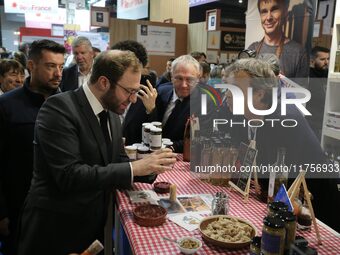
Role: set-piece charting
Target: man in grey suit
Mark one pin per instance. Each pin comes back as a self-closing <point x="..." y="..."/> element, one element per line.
<point x="79" y="159"/>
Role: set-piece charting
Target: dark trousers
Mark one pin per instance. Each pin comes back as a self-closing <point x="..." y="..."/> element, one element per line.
<point x="47" y="232"/>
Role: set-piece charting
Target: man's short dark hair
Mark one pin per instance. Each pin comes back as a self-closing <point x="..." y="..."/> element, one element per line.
<point x="205" y="67"/>
<point x="196" y="55"/>
<point x="38" y="46"/>
<point x="314" y="52"/>
<point x="112" y="64"/>
<point x="135" y="47"/>
<point x="285" y="3"/>
<point x="7" y="65"/>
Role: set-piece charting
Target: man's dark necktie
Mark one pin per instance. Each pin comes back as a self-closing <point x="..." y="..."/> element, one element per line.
<point x="173" y="115"/>
<point x="103" y="117"/>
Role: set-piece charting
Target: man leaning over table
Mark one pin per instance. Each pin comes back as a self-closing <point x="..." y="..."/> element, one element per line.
<point x="78" y="161"/>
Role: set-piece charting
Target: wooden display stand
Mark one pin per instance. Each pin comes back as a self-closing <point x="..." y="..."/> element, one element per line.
<point x="245" y="192"/>
<point x="293" y="193"/>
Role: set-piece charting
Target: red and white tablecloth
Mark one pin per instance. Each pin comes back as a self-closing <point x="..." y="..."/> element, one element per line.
<point x="146" y="240"/>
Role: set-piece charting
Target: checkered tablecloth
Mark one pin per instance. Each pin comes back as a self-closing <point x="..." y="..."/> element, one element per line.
<point x="146" y="240"/>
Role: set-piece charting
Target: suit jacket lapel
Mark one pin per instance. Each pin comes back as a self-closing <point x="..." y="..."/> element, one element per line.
<point x="93" y="122"/>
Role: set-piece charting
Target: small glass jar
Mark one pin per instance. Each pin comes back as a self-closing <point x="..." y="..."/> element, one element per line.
<point x="131" y="152"/>
<point x="255" y="246"/>
<point x="220" y="204"/>
<point x="273" y="236"/>
<point x="290" y="226"/>
<point x="276" y="207"/>
<point x="142" y="152"/>
<point x="147" y="131"/>
<point x="144" y="133"/>
<point x="155" y="138"/>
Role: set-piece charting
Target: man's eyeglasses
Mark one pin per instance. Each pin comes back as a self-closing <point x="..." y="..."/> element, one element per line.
<point x="129" y="91"/>
<point x="191" y="81"/>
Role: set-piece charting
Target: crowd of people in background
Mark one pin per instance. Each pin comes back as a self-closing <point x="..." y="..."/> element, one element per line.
<point x="52" y="133"/>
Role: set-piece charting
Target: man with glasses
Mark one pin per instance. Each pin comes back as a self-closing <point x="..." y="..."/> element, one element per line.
<point x="173" y="101"/>
<point x="79" y="159"/>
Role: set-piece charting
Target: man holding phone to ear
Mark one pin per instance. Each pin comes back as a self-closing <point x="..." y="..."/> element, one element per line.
<point x="142" y="111"/>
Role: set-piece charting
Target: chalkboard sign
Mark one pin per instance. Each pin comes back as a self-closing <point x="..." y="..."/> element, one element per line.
<point x="246" y="157"/>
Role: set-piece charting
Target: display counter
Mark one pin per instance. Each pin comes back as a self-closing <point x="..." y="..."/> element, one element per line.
<point x="148" y="240"/>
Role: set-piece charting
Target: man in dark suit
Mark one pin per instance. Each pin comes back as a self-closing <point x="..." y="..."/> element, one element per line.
<point x="18" y="112"/>
<point x="136" y="114"/>
<point x="174" y="100"/>
<point x="79" y="159"/>
<point x="78" y="74"/>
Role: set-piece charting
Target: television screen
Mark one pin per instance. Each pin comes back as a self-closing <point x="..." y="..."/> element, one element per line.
<point x="132" y="9"/>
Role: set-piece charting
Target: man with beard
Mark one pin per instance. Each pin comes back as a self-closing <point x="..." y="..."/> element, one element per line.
<point x="292" y="56"/>
<point x="318" y="73"/>
<point x="18" y="113"/>
<point x="79" y="159"/>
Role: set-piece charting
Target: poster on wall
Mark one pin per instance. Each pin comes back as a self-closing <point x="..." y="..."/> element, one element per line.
<point x="31" y="6"/>
<point x="127" y="9"/>
<point x="157" y="40"/>
<point x="232" y="41"/>
<point x="288" y="34"/>
<point x="214" y="38"/>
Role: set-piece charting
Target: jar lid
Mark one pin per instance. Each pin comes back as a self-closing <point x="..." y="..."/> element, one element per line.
<point x="146" y="123"/>
<point x="286" y="216"/>
<point x="256" y="241"/>
<point x="131" y="147"/>
<point x="278" y="206"/>
<point x="167" y="143"/>
<point x="143" y="148"/>
<point x="137" y="145"/>
<point x="155" y="129"/>
<point x="156" y="123"/>
<point x="273" y="222"/>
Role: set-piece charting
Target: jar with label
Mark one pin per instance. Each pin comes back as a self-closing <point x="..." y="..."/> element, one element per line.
<point x="255" y="246"/>
<point x="131" y="152"/>
<point x="276" y="207"/>
<point x="144" y="140"/>
<point x="147" y="134"/>
<point x="155" y="138"/>
<point x="142" y="152"/>
<point x="290" y="225"/>
<point x="273" y="236"/>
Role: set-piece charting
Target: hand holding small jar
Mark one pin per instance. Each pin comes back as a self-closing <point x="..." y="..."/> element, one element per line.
<point x="157" y="162"/>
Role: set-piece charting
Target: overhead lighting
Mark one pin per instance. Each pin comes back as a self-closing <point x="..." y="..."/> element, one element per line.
<point x="240" y="1"/>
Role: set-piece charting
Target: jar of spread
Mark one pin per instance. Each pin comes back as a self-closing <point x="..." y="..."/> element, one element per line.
<point x="155" y="138"/>
<point x="147" y="131"/>
<point x="255" y="246"/>
<point x="131" y="151"/>
<point x="276" y="207"/>
<point x="273" y="236"/>
<point x="142" y="152"/>
<point x="290" y="226"/>
<point x="144" y="141"/>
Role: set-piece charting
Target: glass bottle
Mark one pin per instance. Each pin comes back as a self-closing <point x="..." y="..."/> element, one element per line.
<point x="278" y="175"/>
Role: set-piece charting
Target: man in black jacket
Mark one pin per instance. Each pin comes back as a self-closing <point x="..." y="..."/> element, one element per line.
<point x="18" y="113"/>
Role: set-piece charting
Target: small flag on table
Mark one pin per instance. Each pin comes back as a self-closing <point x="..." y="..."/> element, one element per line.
<point x="282" y="196"/>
